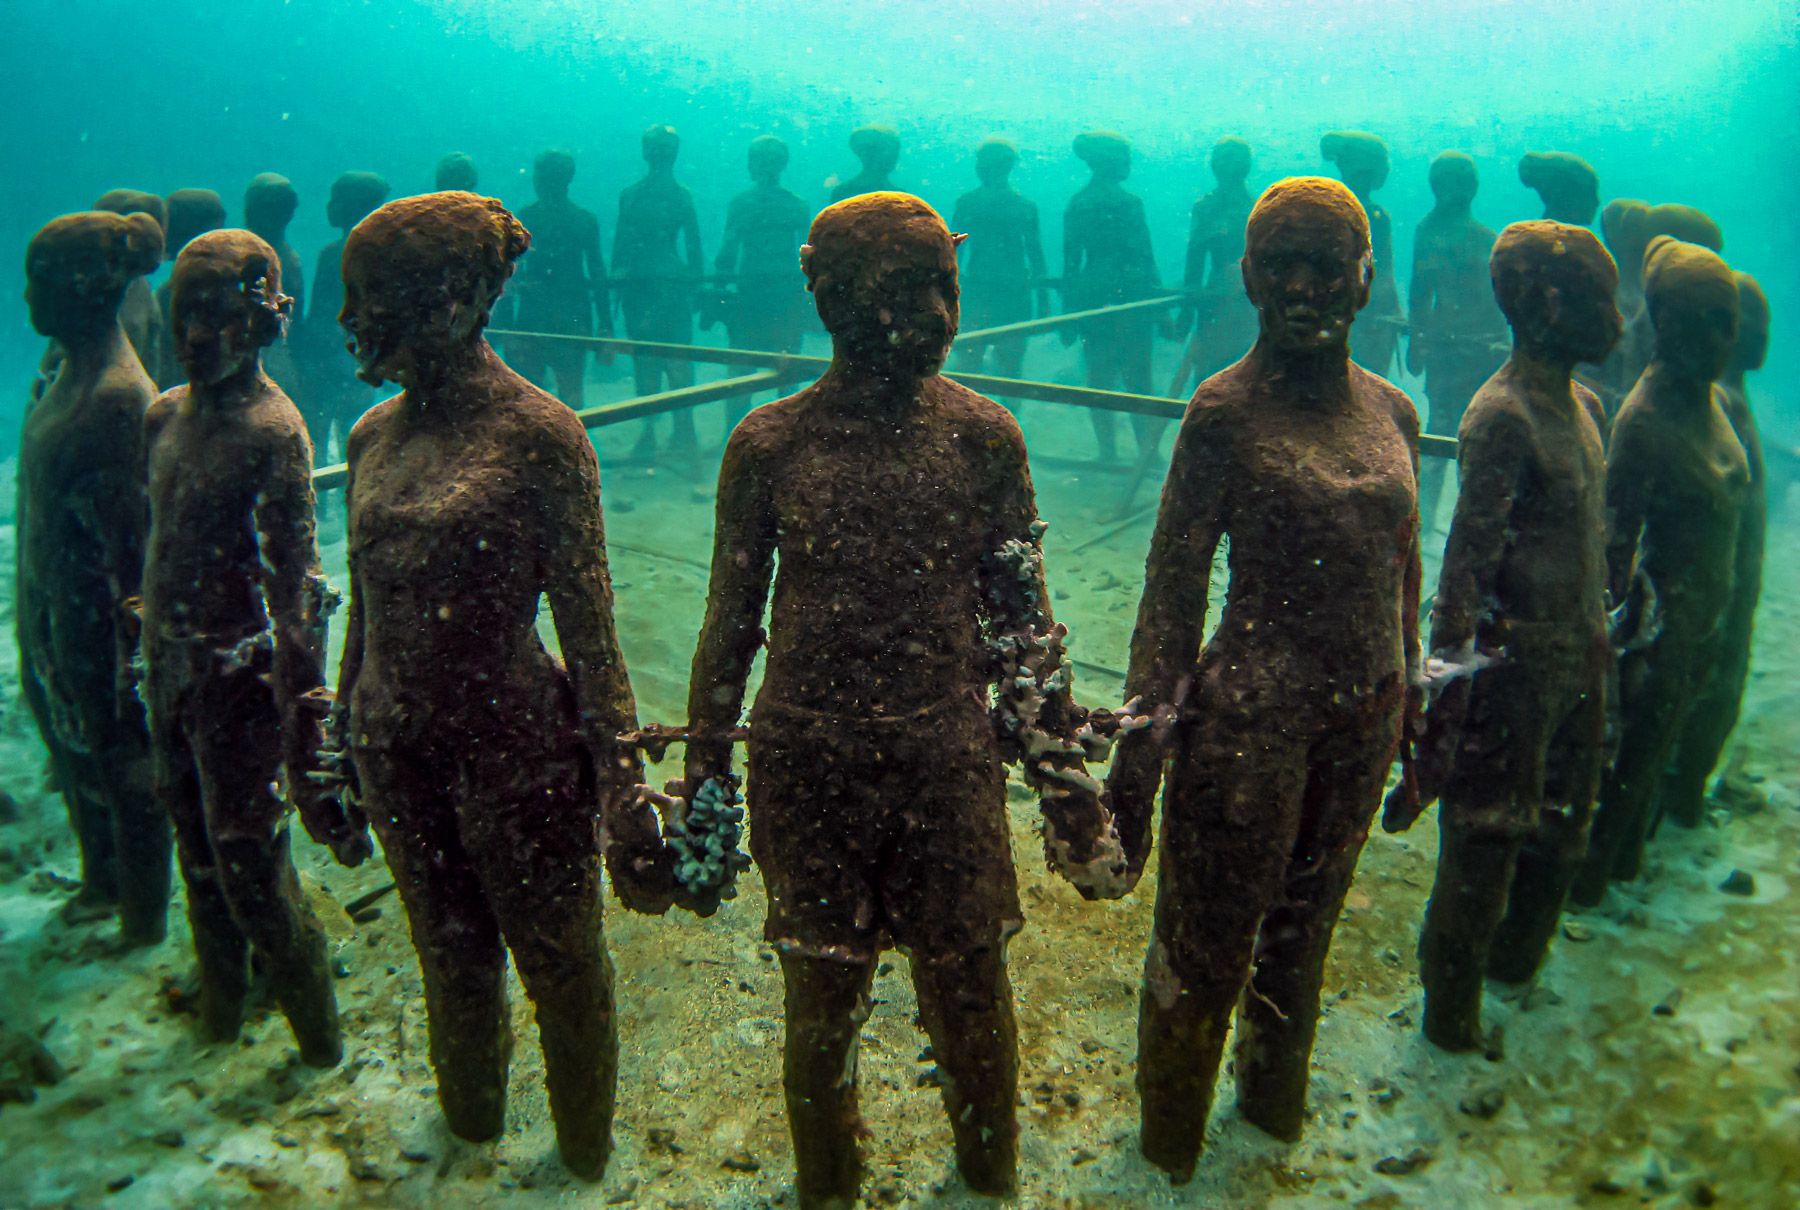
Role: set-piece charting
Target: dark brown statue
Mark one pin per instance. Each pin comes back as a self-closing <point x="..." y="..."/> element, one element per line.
<point x="270" y="203"/>
<point x="1362" y="161"/>
<point x="334" y="397"/>
<point x="1282" y="727"/>
<point x="1514" y="739"/>
<point x="1676" y="481"/>
<point x="1458" y="336"/>
<point x="1682" y="795"/>
<point x="234" y="644"/>
<point x="139" y="313"/>
<point x="81" y="517"/>
<point x="1567" y="183"/>
<point x="901" y="508"/>
<point x="484" y="765"/>
<point x="192" y="212"/>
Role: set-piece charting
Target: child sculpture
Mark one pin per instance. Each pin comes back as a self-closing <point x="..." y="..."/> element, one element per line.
<point x="902" y="510"/>
<point x="1286" y="721"/>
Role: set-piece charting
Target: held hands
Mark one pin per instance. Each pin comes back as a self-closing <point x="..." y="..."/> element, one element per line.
<point x="326" y="791"/>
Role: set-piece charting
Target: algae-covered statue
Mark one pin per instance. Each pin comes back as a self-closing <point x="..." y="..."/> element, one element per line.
<point x="484" y="765"/>
<point x="562" y="287"/>
<point x="1002" y="258"/>
<point x="81" y="518"/>
<point x="192" y="212"/>
<point x="139" y="312"/>
<point x="234" y="644"/>
<point x="1222" y="320"/>
<point x="1107" y="259"/>
<point x="1458" y="336"/>
<point x="1285" y="723"/>
<point x="1513" y="740"/>
<point x="1568" y="185"/>
<point x="334" y="397"/>
<point x="455" y="173"/>
<point x="877" y="149"/>
<point x="1682" y="794"/>
<point x="654" y="284"/>
<point x="270" y="203"/>
<point x="1362" y="162"/>
<point x="1676" y="479"/>
<point x="901" y="508"/>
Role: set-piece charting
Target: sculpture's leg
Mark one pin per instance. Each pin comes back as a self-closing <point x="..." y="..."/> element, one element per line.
<point x="1681" y="795"/>
<point x="1468" y="899"/>
<point x="965" y="1001"/>
<point x="827" y="1003"/>
<point x="142" y="840"/>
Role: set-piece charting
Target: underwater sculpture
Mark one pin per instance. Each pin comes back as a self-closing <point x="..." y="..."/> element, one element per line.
<point x="1458" y="336"/>
<point x="1682" y="793"/>
<point x="1636" y="228"/>
<point x="1002" y="258"/>
<point x="270" y="203"/>
<point x="902" y="510"/>
<point x="877" y="149"/>
<point x="234" y="616"/>
<point x="1676" y="479"/>
<point x="1107" y="259"/>
<point x="1282" y="728"/>
<point x="765" y="225"/>
<point x="334" y="397"/>
<point x="1362" y="162"/>
<point x="655" y="286"/>
<point x="139" y="313"/>
<point x="1625" y="229"/>
<point x="192" y="212"/>
<point x="81" y="517"/>
<point x="1513" y="739"/>
<point x="1222" y="321"/>
<point x="455" y="173"/>
<point x="1568" y="185"/>
<point x="562" y="287"/>
<point x="482" y="763"/>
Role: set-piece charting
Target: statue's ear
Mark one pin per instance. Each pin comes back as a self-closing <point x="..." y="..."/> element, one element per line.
<point x="957" y="238"/>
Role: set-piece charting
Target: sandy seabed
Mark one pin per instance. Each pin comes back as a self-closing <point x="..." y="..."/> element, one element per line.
<point x="1655" y="1061"/>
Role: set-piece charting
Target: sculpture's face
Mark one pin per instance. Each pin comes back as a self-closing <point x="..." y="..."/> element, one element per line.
<point x="1753" y="339"/>
<point x="216" y="325"/>
<point x="1584" y="319"/>
<point x="1308" y="279"/>
<point x="1696" y="331"/>
<point x="382" y="334"/>
<point x="894" y="305"/>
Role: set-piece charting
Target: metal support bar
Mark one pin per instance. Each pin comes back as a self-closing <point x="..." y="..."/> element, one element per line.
<point x="1049" y="323"/>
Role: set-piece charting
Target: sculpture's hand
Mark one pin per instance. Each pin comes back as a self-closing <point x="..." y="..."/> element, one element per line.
<point x="1421" y="765"/>
<point x="1415" y="358"/>
<point x="327" y="792"/>
<point x="1080" y="843"/>
<point x="640" y="865"/>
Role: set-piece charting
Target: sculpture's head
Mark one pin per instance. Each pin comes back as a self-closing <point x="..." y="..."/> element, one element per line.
<point x="877" y="147"/>
<point x="1555" y="284"/>
<point x="1625" y="226"/>
<point x="1231" y="160"/>
<point x="1361" y="158"/>
<point x="227" y="304"/>
<point x="354" y="197"/>
<point x="882" y="269"/>
<point x="1693" y="300"/>
<point x="1106" y="153"/>
<point x="192" y="212"/>
<point x="551" y="173"/>
<point x="660" y="145"/>
<point x="77" y="268"/>
<point x="994" y="161"/>
<point x="134" y="201"/>
<point x="1753" y="325"/>
<point x="420" y="278"/>
<point x="270" y="201"/>
<point x="1454" y="180"/>
<point x="1568" y="184"/>
<point x="456" y="173"/>
<point x="768" y="159"/>
<point x="1685" y="223"/>
<point x="1307" y="264"/>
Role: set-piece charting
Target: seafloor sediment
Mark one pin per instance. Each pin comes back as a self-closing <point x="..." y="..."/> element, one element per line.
<point x="1654" y="1061"/>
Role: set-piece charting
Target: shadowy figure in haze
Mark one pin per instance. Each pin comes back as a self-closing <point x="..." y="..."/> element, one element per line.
<point x="139" y="313"/>
<point x="1514" y="739"/>
<point x="1567" y="183"/>
<point x="562" y="285"/>
<point x="1362" y="162"/>
<point x="456" y="173"/>
<point x="1676" y="482"/>
<point x="270" y="204"/>
<point x="81" y="518"/>
<point x="1636" y="228"/>
<point x="654" y="284"/>
<point x="877" y="148"/>
<point x="192" y="212"/>
<point x="1221" y="319"/>
<point x="235" y="611"/>
<point x="1625" y="229"/>
<point x="334" y="397"/>
<point x="1281" y="728"/>
<point x="1458" y="335"/>
<point x="1002" y="258"/>
<point x="766" y="307"/>
<point x="483" y="763"/>
<point x="1107" y="260"/>
<point x="1682" y="793"/>
<point x="891" y="498"/>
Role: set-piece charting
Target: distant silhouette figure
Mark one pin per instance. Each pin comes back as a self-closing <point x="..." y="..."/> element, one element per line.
<point x="192" y="212"/>
<point x="1221" y="319"/>
<point x="1568" y="184"/>
<point x="333" y="396"/>
<point x="1362" y="162"/>
<point x="654" y="284"/>
<point x="561" y="286"/>
<point x="139" y="313"/>
<point x="456" y="171"/>
<point x="878" y="147"/>
<point x="1001" y="258"/>
<point x="270" y="203"/>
